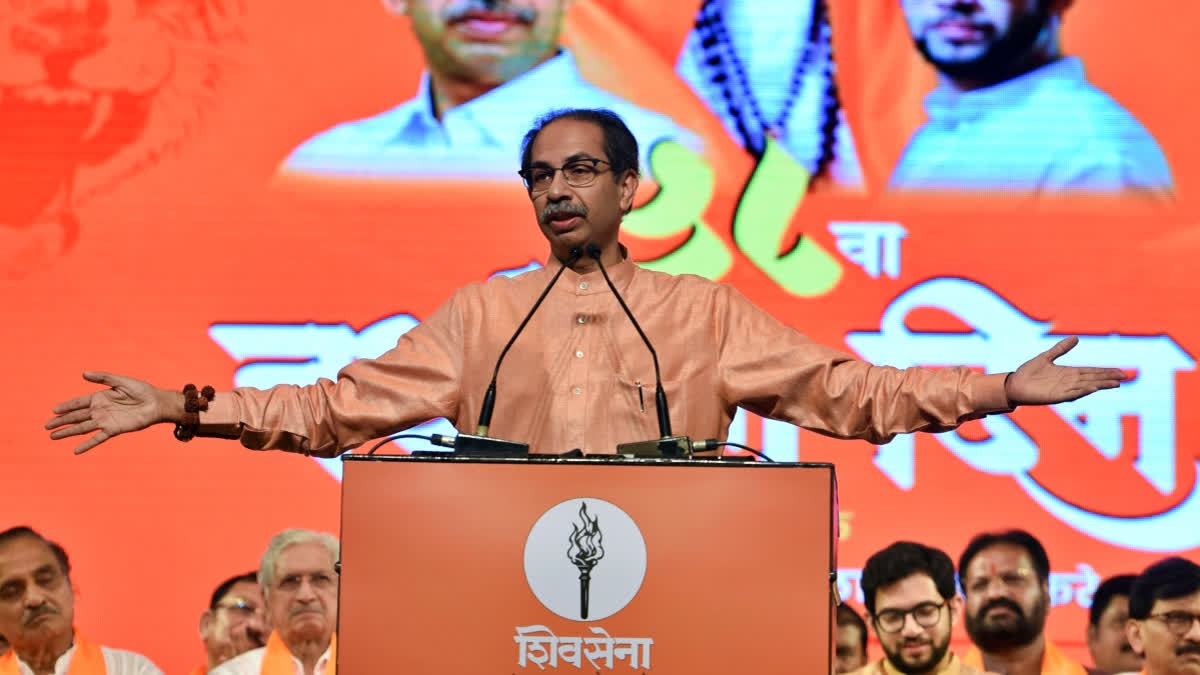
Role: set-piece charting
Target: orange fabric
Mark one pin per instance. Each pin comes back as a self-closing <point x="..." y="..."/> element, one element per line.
<point x="951" y="666"/>
<point x="200" y="670"/>
<point x="1054" y="662"/>
<point x="571" y="381"/>
<point x="87" y="659"/>
<point x="278" y="658"/>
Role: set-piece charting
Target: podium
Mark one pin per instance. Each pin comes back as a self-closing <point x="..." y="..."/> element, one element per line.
<point x="466" y="565"/>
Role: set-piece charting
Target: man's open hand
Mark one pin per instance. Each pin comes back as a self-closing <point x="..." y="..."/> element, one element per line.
<point x="1040" y="381"/>
<point x="127" y="405"/>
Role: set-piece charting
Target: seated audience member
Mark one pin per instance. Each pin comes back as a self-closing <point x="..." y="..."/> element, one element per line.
<point x="1006" y="579"/>
<point x="37" y="615"/>
<point x="1011" y="113"/>
<point x="1106" y="639"/>
<point x="234" y="622"/>
<point x="910" y="598"/>
<point x="851" y="650"/>
<point x="1164" y="604"/>
<point x="493" y="67"/>
<point x="300" y="586"/>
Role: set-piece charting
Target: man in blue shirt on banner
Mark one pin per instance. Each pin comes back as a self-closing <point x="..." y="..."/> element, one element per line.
<point x="493" y="67"/>
<point x="1012" y="114"/>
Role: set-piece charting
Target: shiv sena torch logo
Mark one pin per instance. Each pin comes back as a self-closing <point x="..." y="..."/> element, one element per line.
<point x="92" y="91"/>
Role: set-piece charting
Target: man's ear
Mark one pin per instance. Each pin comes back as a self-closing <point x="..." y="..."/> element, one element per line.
<point x="628" y="186"/>
<point x="206" y="623"/>
<point x="955" y="607"/>
<point x="1133" y="633"/>
<point x="397" y="7"/>
<point x="1093" y="632"/>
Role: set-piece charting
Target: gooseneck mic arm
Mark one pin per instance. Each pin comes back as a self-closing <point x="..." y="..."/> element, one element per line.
<point x="660" y="396"/>
<point x="489" y="398"/>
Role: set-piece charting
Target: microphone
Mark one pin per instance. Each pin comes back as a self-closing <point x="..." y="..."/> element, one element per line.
<point x="479" y="444"/>
<point x="666" y="445"/>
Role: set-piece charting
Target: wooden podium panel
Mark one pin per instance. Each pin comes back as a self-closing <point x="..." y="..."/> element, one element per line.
<point x="453" y="565"/>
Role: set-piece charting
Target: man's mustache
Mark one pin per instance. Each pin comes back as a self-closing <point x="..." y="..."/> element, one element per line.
<point x="459" y="11"/>
<point x="1001" y="602"/>
<point x="37" y="612"/>
<point x="1188" y="648"/>
<point x="561" y="209"/>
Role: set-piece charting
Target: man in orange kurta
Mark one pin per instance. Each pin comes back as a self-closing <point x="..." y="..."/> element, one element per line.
<point x="909" y="593"/>
<point x="1006" y="579"/>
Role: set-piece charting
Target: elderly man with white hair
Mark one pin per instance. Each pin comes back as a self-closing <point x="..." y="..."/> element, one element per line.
<point x="299" y="583"/>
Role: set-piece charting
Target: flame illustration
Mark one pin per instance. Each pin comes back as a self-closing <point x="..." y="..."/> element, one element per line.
<point x="587" y="542"/>
<point x="586" y="548"/>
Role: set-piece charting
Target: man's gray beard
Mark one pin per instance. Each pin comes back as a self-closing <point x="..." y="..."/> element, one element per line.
<point x="1023" y="632"/>
<point x="1000" y="61"/>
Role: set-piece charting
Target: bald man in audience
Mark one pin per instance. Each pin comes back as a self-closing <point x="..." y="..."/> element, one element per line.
<point x="299" y="583"/>
<point x="235" y="621"/>
<point x="37" y="615"/>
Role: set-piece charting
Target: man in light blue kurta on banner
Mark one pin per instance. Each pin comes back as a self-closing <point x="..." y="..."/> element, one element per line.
<point x="493" y="67"/>
<point x="1012" y="114"/>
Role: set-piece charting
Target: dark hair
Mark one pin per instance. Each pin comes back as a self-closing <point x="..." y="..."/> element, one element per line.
<point x="901" y="560"/>
<point x="57" y="550"/>
<point x="619" y="143"/>
<point x="846" y="616"/>
<point x="1105" y="592"/>
<point x="222" y="590"/>
<point x="1166" y="579"/>
<point x="1018" y="538"/>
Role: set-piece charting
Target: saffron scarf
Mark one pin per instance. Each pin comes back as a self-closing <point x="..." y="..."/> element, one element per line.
<point x="87" y="659"/>
<point x="1054" y="662"/>
<point x="277" y="660"/>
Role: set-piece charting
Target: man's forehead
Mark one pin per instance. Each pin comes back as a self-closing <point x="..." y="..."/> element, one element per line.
<point x="563" y="139"/>
<point x="1186" y="603"/>
<point x="998" y="559"/>
<point x="244" y="590"/>
<point x="25" y="555"/>
<point x="303" y="558"/>
<point x="911" y="590"/>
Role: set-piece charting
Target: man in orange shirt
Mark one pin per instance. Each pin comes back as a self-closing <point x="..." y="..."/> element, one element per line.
<point x="577" y="387"/>
<point x="1006" y="579"/>
<point x="1164" y="606"/>
<point x="234" y="622"/>
<point x="909" y="593"/>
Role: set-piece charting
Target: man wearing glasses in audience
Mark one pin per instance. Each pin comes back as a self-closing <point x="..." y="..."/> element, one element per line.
<point x="1165" y="607"/>
<point x="234" y="622"/>
<point x="1006" y="579"/>
<point x="300" y="586"/>
<point x="909" y="593"/>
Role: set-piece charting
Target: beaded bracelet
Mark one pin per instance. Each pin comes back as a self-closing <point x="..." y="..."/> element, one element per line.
<point x="194" y="401"/>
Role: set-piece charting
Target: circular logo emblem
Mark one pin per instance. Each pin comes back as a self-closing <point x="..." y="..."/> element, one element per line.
<point x="585" y="559"/>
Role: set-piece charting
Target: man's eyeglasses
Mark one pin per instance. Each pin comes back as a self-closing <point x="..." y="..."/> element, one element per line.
<point x="577" y="173"/>
<point x="240" y="607"/>
<point x="1178" y="623"/>
<point x="926" y="615"/>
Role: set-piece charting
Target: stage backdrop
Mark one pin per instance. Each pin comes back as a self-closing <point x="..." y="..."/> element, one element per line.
<point x="152" y="223"/>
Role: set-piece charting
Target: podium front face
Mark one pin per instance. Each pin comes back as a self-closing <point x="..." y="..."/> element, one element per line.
<point x="494" y="566"/>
